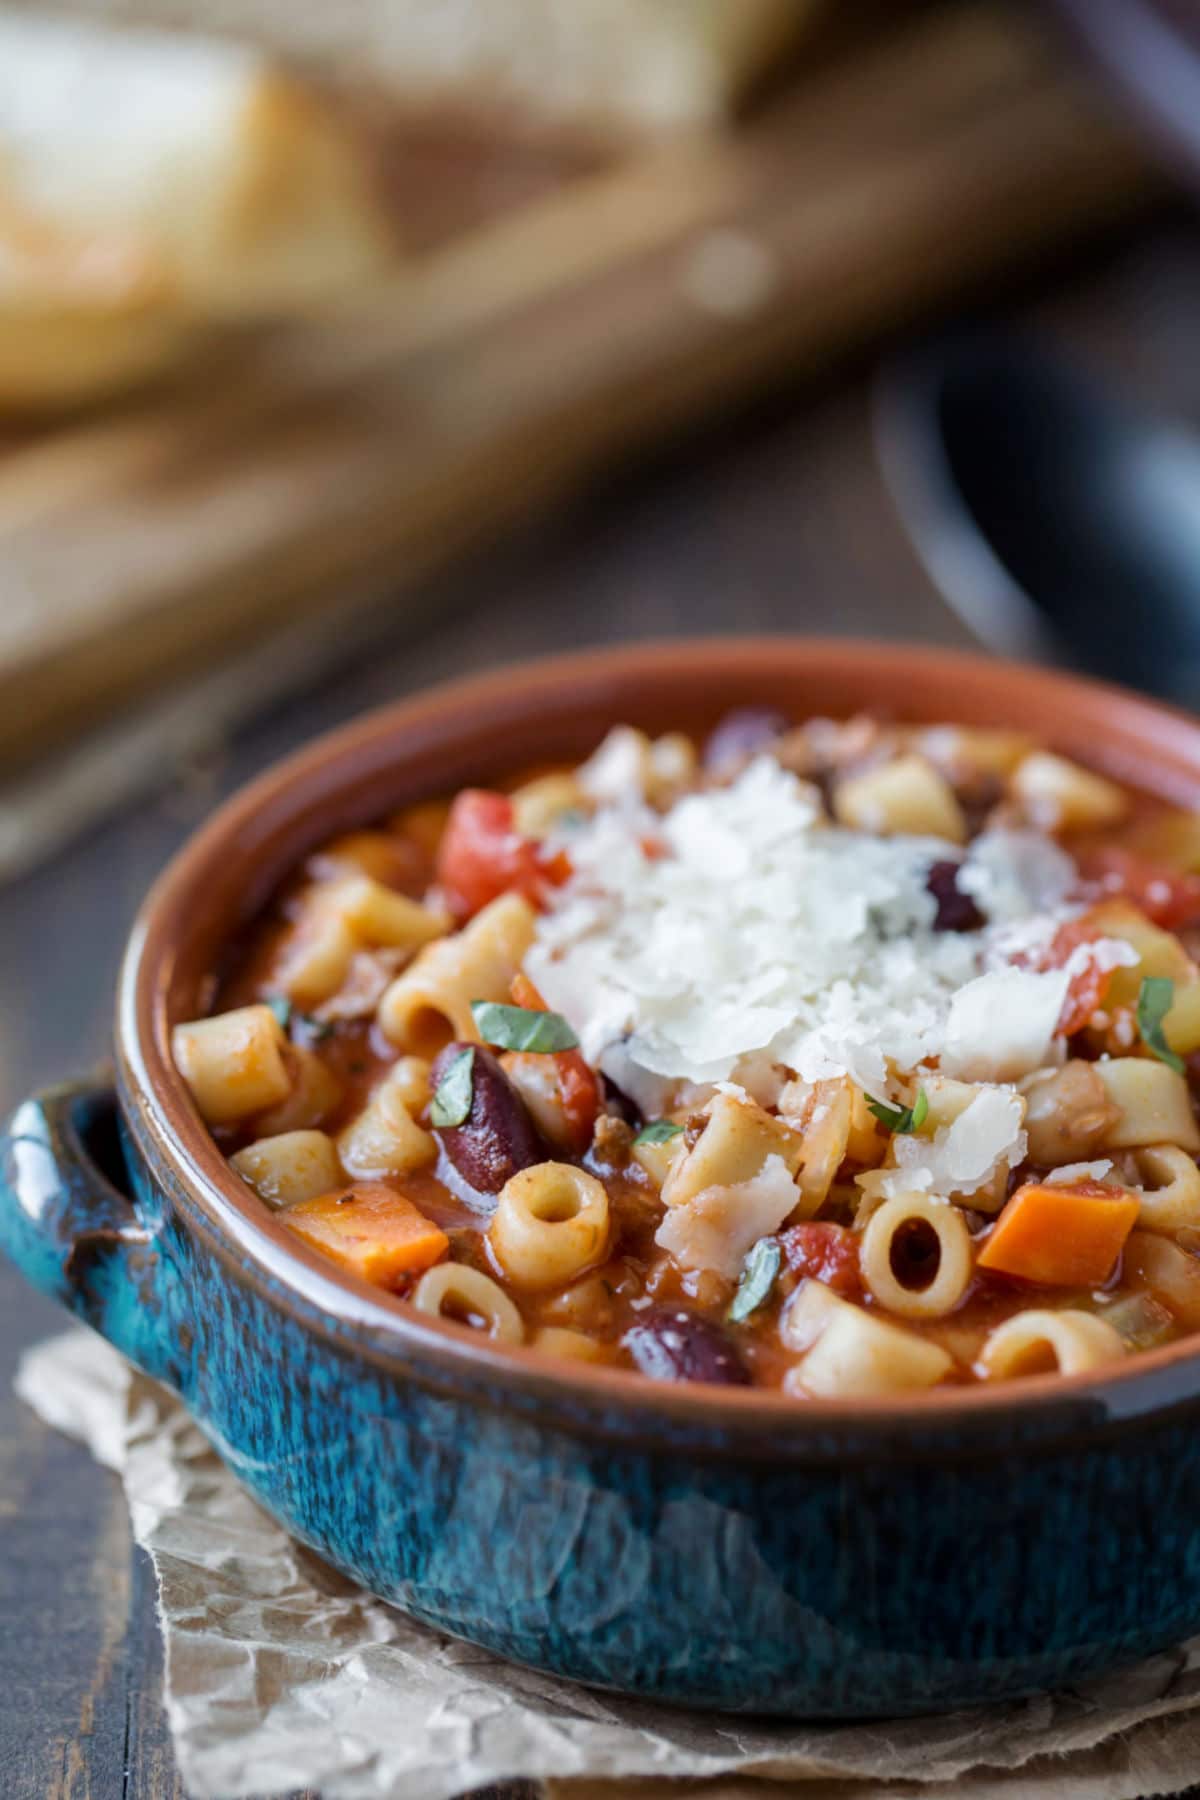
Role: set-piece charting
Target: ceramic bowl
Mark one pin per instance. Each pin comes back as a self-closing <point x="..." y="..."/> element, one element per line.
<point x="722" y="1548"/>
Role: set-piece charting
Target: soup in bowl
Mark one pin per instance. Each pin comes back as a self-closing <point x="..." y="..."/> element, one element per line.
<point x="846" y="1057"/>
<point x="680" y="1165"/>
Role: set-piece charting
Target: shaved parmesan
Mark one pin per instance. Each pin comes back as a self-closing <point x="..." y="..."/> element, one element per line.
<point x="1012" y="875"/>
<point x="716" y="1227"/>
<point x="617" y="769"/>
<point x="1105" y="954"/>
<point x="1000" y="1025"/>
<point x="964" y="1156"/>
<point x="1073" y="1172"/>
<point x="740" y="937"/>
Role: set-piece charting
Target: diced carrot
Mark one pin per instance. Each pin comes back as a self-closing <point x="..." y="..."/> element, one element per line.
<point x="370" y="1230"/>
<point x="556" y="870"/>
<point x="1061" y="1236"/>
<point x="578" y="1086"/>
<point x="525" y="994"/>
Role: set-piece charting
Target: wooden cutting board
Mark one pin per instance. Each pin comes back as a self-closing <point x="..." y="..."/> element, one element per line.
<point x="582" y="311"/>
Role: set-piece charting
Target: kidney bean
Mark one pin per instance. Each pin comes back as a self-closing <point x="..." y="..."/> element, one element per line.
<point x="497" y="1137"/>
<point x="956" y="911"/>
<point x="741" y="734"/>
<point x="672" y="1344"/>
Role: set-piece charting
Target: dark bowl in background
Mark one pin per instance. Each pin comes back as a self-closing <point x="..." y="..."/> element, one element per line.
<point x="1149" y="52"/>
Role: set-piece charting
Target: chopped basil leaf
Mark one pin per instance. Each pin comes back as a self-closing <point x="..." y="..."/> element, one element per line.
<point x="456" y="1090"/>
<point x="659" y="1131"/>
<point x="759" y="1270"/>
<point x="1156" y="996"/>
<point x="522" y="1028"/>
<point x="902" y="1119"/>
<point x="281" y="1006"/>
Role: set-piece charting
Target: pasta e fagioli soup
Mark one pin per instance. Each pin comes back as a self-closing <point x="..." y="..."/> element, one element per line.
<point x="837" y="1057"/>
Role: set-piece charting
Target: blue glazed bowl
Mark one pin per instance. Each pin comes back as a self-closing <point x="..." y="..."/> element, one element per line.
<point x="722" y="1548"/>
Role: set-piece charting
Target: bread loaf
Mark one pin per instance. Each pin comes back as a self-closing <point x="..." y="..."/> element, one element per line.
<point x="647" y="63"/>
<point x="153" y="186"/>
<point x="143" y="168"/>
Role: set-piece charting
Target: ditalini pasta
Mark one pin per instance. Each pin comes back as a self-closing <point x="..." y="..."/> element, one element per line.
<point x="837" y="1057"/>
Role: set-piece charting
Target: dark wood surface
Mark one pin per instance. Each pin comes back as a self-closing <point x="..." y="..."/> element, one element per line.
<point x="775" y="521"/>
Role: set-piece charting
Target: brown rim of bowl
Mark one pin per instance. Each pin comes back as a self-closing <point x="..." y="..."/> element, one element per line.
<point x="1114" y="729"/>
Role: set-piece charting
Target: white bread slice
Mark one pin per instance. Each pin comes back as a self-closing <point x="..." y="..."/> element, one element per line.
<point x="622" y="63"/>
<point x="188" y="179"/>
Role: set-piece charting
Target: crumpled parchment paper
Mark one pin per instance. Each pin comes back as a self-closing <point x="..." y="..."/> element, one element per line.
<point x="280" y="1674"/>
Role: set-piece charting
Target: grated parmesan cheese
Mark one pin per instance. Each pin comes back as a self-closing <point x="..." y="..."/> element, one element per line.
<point x="961" y="1157"/>
<point x="1016" y="877"/>
<point x="716" y="1227"/>
<point x="1081" y="1171"/>
<point x="756" y="940"/>
<point x="1000" y="1025"/>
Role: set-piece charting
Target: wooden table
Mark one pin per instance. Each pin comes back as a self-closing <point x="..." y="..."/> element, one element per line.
<point x="779" y="522"/>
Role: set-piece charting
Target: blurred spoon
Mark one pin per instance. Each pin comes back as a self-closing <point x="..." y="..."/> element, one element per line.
<point x="1061" y="521"/>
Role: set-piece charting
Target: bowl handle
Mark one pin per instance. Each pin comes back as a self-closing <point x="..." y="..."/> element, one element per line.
<point x="71" y="1226"/>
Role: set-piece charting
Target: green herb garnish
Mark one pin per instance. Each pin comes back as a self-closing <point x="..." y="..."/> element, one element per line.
<point x="902" y="1119"/>
<point x="1156" y="996"/>
<point x="659" y="1131"/>
<point x="315" y="1029"/>
<point x="522" y="1028"/>
<point x="759" y="1270"/>
<point x="288" y="1015"/>
<point x="455" y="1091"/>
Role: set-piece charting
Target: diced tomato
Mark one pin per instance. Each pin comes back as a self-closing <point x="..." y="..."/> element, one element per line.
<point x="823" y="1251"/>
<point x="578" y="1085"/>
<point x="1167" y="896"/>
<point x="1089" y="985"/>
<point x="580" y="1096"/>
<point x="555" y="869"/>
<point x="482" y="855"/>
